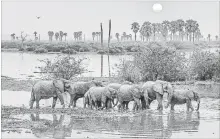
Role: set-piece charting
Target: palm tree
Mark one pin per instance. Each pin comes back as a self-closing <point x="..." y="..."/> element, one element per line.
<point x="165" y="29"/>
<point x="65" y="34"/>
<point x="130" y="36"/>
<point x="198" y="34"/>
<point x="97" y="35"/>
<point x="180" y="25"/>
<point x="61" y="35"/>
<point x="57" y="35"/>
<point x="195" y="28"/>
<point x="13" y="36"/>
<point x="189" y="27"/>
<point x="146" y="30"/>
<point x="93" y="35"/>
<point x="117" y="36"/>
<point x="35" y="35"/>
<point x="173" y="29"/>
<point x="124" y="36"/>
<point x="135" y="27"/>
<point x="216" y="37"/>
<point x="50" y="34"/>
<point x="209" y="36"/>
<point x="154" y="29"/>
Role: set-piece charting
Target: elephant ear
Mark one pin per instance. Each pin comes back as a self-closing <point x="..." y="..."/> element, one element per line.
<point x="59" y="85"/>
<point x="158" y="87"/>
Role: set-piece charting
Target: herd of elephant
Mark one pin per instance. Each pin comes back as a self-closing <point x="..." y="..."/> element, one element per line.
<point x="96" y="95"/>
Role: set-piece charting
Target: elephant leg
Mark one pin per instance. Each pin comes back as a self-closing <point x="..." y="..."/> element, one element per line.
<point x="38" y="103"/>
<point x="31" y="103"/>
<point x="137" y="101"/>
<point x="172" y="107"/>
<point x="126" y="105"/>
<point x="146" y="100"/>
<point x="187" y="104"/>
<point x="71" y="101"/>
<point x="109" y="104"/>
<point x="54" y="102"/>
<point x="159" y="100"/>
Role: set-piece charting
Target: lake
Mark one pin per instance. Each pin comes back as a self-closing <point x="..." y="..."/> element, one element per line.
<point x="23" y="65"/>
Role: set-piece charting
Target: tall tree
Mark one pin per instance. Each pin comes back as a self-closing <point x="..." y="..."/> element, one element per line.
<point x="146" y="30"/>
<point x="57" y="35"/>
<point x="209" y="36"/>
<point x="173" y="29"/>
<point x="154" y="29"/>
<point x="61" y="35"/>
<point x="117" y="36"/>
<point x="180" y="27"/>
<point x="165" y="29"/>
<point x="189" y="28"/>
<point x="124" y="36"/>
<point x="23" y="38"/>
<point x="216" y="37"/>
<point x="194" y="29"/>
<point x="93" y="35"/>
<point x="50" y="34"/>
<point x="97" y="35"/>
<point x="65" y="34"/>
<point x="135" y="28"/>
<point x="35" y="35"/>
<point x="13" y="36"/>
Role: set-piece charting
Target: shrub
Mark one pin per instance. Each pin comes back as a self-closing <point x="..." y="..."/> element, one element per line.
<point x="204" y="65"/>
<point x="65" y="67"/>
<point x="128" y="71"/>
<point x="41" y="50"/>
<point x="30" y="49"/>
<point x="21" y="49"/>
<point x="69" y="51"/>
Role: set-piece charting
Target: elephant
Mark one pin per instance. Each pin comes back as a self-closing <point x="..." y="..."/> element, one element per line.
<point x="78" y="89"/>
<point x="87" y="99"/>
<point x="183" y="96"/>
<point x="101" y="94"/>
<point x="46" y="89"/>
<point x="154" y="90"/>
<point x="129" y="93"/>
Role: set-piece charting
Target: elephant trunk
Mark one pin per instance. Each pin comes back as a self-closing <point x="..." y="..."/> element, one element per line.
<point x="116" y="102"/>
<point x="198" y="104"/>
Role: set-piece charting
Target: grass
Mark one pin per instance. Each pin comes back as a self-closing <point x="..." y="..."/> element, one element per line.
<point x="90" y="46"/>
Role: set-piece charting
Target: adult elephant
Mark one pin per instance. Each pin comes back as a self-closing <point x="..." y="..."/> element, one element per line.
<point x="101" y="94"/>
<point x="78" y="89"/>
<point x="48" y="89"/>
<point x="129" y="93"/>
<point x="183" y="97"/>
<point x="154" y="90"/>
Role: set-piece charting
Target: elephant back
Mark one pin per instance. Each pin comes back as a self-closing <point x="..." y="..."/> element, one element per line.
<point x="115" y="86"/>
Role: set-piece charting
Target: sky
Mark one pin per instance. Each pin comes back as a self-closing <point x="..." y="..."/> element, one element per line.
<point x="86" y="16"/>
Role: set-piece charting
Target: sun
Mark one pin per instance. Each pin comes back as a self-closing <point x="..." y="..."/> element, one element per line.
<point x="157" y="7"/>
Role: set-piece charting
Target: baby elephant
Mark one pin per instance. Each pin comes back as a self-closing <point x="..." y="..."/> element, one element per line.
<point x="182" y="97"/>
<point x="100" y="94"/>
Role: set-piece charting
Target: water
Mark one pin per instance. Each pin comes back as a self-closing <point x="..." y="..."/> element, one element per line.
<point x="23" y="65"/>
<point x="146" y="124"/>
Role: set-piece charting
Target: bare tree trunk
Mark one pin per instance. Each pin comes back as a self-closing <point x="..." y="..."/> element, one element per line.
<point x="109" y="35"/>
<point x="102" y="48"/>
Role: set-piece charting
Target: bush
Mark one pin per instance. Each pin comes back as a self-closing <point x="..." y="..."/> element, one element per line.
<point x="41" y="50"/>
<point x="65" y="67"/>
<point x="128" y="71"/>
<point x="69" y="51"/>
<point x="30" y="49"/>
<point x="21" y="49"/>
<point x="204" y="65"/>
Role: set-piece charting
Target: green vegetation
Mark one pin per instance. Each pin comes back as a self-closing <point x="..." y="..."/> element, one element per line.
<point x="115" y="47"/>
<point x="165" y="63"/>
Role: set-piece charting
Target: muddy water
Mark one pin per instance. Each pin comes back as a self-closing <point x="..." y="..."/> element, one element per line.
<point x="143" y="124"/>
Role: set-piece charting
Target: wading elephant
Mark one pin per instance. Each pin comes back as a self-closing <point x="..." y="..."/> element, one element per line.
<point x="78" y="89"/>
<point x="183" y="97"/>
<point x="100" y="94"/>
<point x="46" y="90"/>
<point x="154" y="90"/>
<point x="129" y="93"/>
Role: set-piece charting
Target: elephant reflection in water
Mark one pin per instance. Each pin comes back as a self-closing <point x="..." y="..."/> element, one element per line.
<point x="50" y="128"/>
<point x="176" y="121"/>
